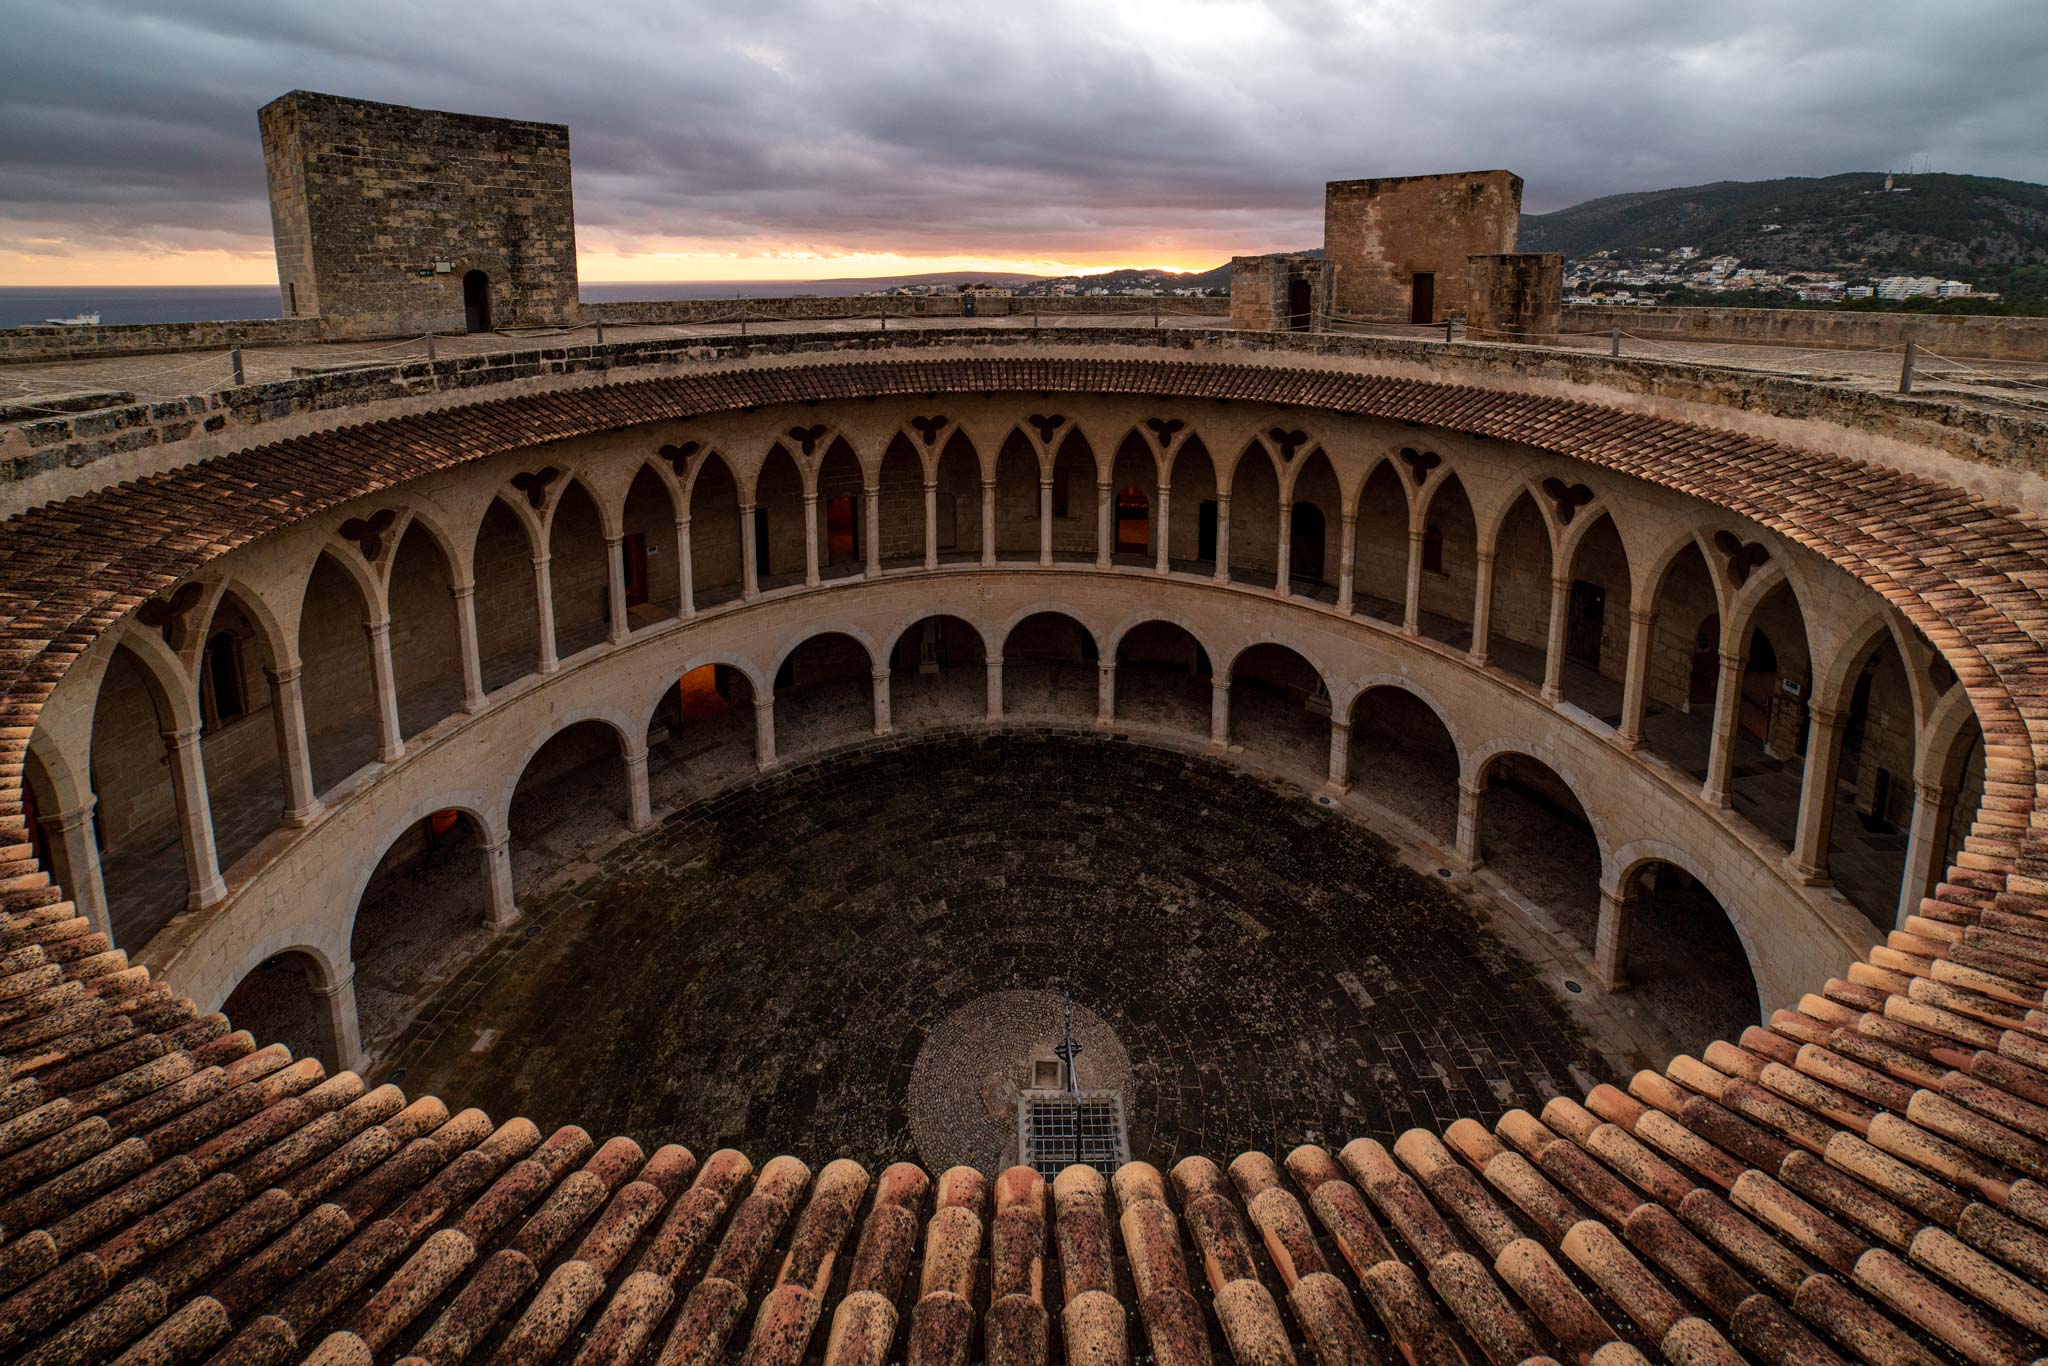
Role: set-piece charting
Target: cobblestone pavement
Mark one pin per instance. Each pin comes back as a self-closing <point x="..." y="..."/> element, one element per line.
<point x="763" y="968"/>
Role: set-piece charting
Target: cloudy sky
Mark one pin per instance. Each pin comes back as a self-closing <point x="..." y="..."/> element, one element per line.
<point x="806" y="138"/>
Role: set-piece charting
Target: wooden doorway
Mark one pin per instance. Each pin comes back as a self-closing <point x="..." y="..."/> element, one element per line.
<point x="1422" y="297"/>
<point x="1305" y="543"/>
<point x="1133" y="522"/>
<point x="1300" y="305"/>
<point x="761" y="569"/>
<point x="1205" y="531"/>
<point x="1706" y="664"/>
<point x="1584" y="623"/>
<point x="633" y="557"/>
<point x="476" y="301"/>
<point x="842" y="530"/>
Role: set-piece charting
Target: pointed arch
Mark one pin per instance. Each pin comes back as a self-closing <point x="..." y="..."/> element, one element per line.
<point x="341" y="695"/>
<point x="1379" y="574"/>
<point x="1016" y="473"/>
<point x="650" y="563"/>
<point x="1254" y="487"/>
<point x="1076" y="498"/>
<point x="245" y="778"/>
<point x="714" y="531"/>
<point x="1522" y="572"/>
<point x="1597" y="619"/>
<point x="1315" y="546"/>
<point x="1192" y="529"/>
<point x="426" y="649"/>
<point x="1450" y="562"/>
<point x="507" y="601"/>
<point x="780" y="547"/>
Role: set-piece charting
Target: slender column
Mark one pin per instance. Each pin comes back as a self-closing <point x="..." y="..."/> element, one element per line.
<point x="1553" y="654"/>
<point x="390" y="740"/>
<point x="639" y="802"/>
<point x="195" y="818"/>
<point x="472" y="656"/>
<point x="340" y="1034"/>
<point x="544" y="595"/>
<point x="1610" y="939"/>
<point x="1045" y="521"/>
<point x="1105" y="524"/>
<point x="1482" y="608"/>
<point x="1817" y="794"/>
<point x="1411" y="610"/>
<point x="1223" y="538"/>
<point x="1340" y="755"/>
<point x="1105" y="692"/>
<point x="1281" y="561"/>
<point x="1347" y="563"/>
<point x="988" y="521"/>
<point x="931" y="525"/>
<point x="764" y="733"/>
<point x="811" y="579"/>
<point x="750" y="574"/>
<point x="1933" y="806"/>
<point x="71" y="831"/>
<point x="499" y="904"/>
<point x="1470" y="797"/>
<point x="1635" y="687"/>
<point x="1721" y="749"/>
<point x="880" y="678"/>
<point x="686" y="573"/>
<point x="1163" y="553"/>
<point x="1219" y="712"/>
<point x="871" y="508"/>
<point x="995" y="690"/>
<point x="615" y="588"/>
<point x="288" y="712"/>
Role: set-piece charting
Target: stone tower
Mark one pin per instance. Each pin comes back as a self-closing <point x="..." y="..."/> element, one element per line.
<point x="392" y="220"/>
<point x="1400" y="244"/>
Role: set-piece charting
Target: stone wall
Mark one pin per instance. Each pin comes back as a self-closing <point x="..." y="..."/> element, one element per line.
<point x="25" y="345"/>
<point x="366" y="198"/>
<point x="1262" y="292"/>
<point x="1953" y="335"/>
<point x="1379" y="234"/>
<point x="1514" y="296"/>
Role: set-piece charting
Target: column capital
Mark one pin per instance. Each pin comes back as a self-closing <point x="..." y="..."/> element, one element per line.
<point x="283" y="676"/>
<point x="613" y="540"/>
<point x="746" y="508"/>
<point x="1828" y="718"/>
<point x="1731" y="663"/>
<point x="879" y="675"/>
<point x="462" y="592"/>
<point x="1472" y="789"/>
<point x="1339" y="725"/>
<point x="344" y="980"/>
<point x="1560" y="583"/>
<point x="1416" y="533"/>
<point x="64" y="822"/>
<point x="764" y="704"/>
<point x="1486" y="557"/>
<point x="1104" y="485"/>
<point x="1614" y="896"/>
<point x="379" y="629"/>
<point x="1642" y="616"/>
<point x="1933" y="793"/>
<point x="181" y="737"/>
<point x="496" y="846"/>
<point x="810" y="497"/>
<point x="540" y="561"/>
<point x="988" y="485"/>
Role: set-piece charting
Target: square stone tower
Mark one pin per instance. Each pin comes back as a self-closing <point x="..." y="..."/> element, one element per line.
<point x="1400" y="244"/>
<point x="392" y="220"/>
<point x="1284" y="292"/>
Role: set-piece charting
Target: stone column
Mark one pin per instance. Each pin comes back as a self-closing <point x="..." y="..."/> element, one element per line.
<point x="500" y="908"/>
<point x="764" y="732"/>
<point x="1635" y="687"/>
<point x="71" y="831"/>
<point x="686" y="573"/>
<point x="988" y="521"/>
<point x="639" y="803"/>
<point x="1045" y="522"/>
<point x="1105" y="692"/>
<point x="1933" y="807"/>
<point x="1286" y="552"/>
<point x="931" y="525"/>
<point x="1223" y="538"/>
<point x="383" y="680"/>
<point x="1347" y="563"/>
<point x="995" y="690"/>
<point x="750" y="573"/>
<point x="1817" y="794"/>
<point x="880" y="678"/>
<point x="1219" y="712"/>
<point x="615" y="588"/>
<point x="1553" y="653"/>
<point x="288" y="714"/>
<point x="471" y="651"/>
<point x="1162" y="553"/>
<point x="811" y="577"/>
<point x="871" y="509"/>
<point x="544" y="597"/>
<point x="340" y="1034"/>
<point x="1610" y="940"/>
<point x="1482" y="608"/>
<point x="1105" y="523"/>
<point x="195" y="818"/>
<point x="1411" y="608"/>
<point x="1715" y="791"/>
<point x="1340" y="755"/>
<point x="1470" y="798"/>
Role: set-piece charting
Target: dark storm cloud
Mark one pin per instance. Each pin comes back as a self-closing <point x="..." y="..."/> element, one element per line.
<point x="1008" y="129"/>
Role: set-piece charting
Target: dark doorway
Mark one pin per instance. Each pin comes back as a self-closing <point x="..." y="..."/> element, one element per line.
<point x="633" y="555"/>
<point x="1305" y="537"/>
<point x="1759" y="686"/>
<point x="1133" y="522"/>
<point x="761" y="542"/>
<point x="1585" y="622"/>
<point x="842" y="530"/>
<point x="1422" y="297"/>
<point x="1205" y="531"/>
<point x="476" y="301"/>
<point x="1300" y="308"/>
<point x="1706" y="662"/>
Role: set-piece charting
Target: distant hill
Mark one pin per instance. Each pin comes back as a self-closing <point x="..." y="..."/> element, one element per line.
<point x="1974" y="227"/>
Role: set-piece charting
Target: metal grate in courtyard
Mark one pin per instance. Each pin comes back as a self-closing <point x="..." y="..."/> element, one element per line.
<point x="1056" y="1129"/>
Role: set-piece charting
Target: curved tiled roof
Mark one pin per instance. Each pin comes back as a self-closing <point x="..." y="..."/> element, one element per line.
<point x="1866" y="1175"/>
